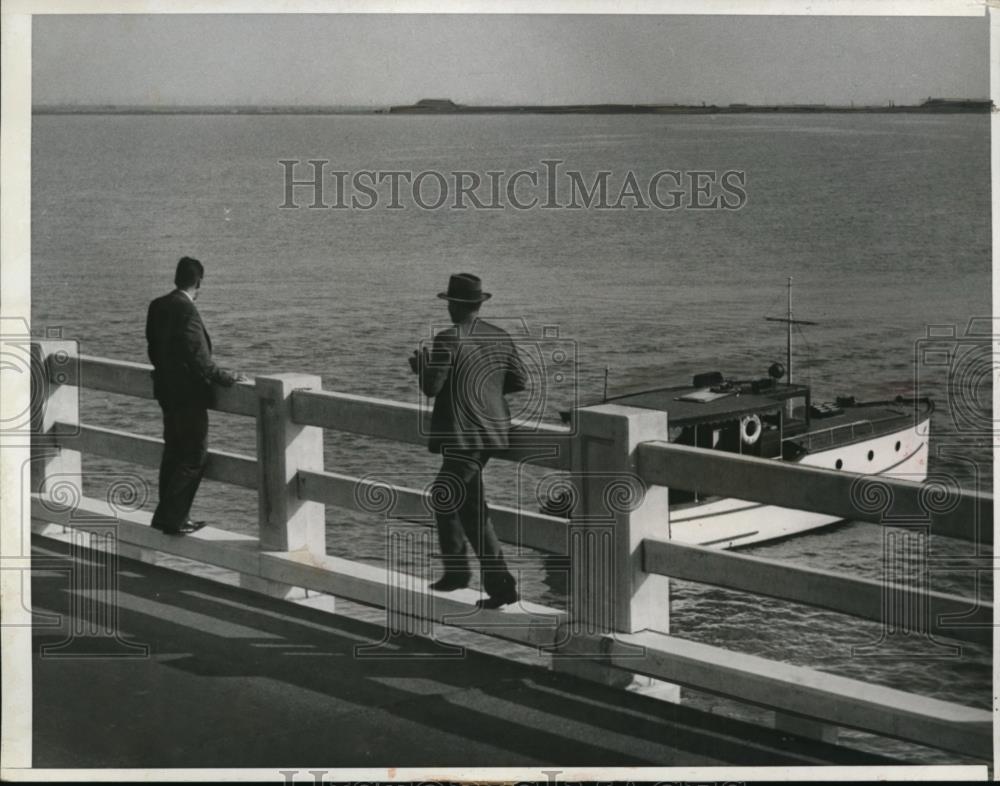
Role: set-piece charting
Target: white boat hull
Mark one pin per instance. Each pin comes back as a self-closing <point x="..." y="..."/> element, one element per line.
<point x="733" y="523"/>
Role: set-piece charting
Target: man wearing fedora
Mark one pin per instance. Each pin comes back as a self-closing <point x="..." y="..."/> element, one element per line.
<point x="469" y="370"/>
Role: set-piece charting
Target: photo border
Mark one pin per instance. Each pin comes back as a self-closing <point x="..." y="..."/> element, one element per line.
<point x="15" y="301"/>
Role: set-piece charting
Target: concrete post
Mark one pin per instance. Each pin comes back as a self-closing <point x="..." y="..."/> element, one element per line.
<point x="615" y="510"/>
<point x="287" y="522"/>
<point x="55" y="469"/>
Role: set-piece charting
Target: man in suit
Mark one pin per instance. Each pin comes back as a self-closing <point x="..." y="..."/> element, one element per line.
<point x="183" y="375"/>
<point x="469" y="370"/>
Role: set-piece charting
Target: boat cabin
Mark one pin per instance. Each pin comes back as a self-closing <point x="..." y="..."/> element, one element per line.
<point x="751" y="417"/>
<point x="767" y="418"/>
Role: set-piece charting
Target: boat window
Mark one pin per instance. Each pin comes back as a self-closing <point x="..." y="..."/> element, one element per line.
<point x="871" y="454"/>
<point x="839" y="464"/>
<point x="897" y="446"/>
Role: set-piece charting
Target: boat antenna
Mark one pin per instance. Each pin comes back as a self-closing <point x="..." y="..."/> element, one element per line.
<point x="605" y="385"/>
<point x="789" y="344"/>
<point x="789" y="321"/>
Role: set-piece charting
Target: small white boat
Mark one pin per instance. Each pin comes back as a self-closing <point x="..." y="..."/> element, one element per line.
<point x="768" y="418"/>
<point x="876" y="439"/>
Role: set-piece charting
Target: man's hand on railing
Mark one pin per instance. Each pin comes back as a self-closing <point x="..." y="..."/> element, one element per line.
<point x="239" y="377"/>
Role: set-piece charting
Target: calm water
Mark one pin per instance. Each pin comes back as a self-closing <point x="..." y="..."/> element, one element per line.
<point x="882" y="220"/>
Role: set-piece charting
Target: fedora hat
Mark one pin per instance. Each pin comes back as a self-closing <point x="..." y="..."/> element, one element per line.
<point x="465" y="288"/>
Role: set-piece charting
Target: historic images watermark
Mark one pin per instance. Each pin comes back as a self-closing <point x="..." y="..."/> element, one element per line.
<point x="967" y="359"/>
<point x="87" y="572"/>
<point x="955" y="369"/>
<point x="88" y="626"/>
<point x="47" y="370"/>
<point x="315" y="184"/>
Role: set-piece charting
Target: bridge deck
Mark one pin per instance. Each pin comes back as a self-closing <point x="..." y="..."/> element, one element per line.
<point x="236" y="679"/>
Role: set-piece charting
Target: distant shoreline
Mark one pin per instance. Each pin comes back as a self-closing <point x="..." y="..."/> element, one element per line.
<point x="934" y="106"/>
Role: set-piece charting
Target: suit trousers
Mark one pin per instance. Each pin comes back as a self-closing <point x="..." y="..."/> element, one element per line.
<point x="185" y="454"/>
<point x="460" y="510"/>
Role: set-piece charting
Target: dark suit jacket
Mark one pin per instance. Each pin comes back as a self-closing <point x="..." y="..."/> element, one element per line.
<point x="469" y="377"/>
<point x="181" y="353"/>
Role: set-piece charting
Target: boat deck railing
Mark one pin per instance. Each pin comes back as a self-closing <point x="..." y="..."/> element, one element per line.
<point x="619" y="466"/>
<point x="834" y="434"/>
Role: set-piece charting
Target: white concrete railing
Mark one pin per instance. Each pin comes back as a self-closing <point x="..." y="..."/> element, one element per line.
<point x="944" y="614"/>
<point x="619" y="593"/>
<point x="546" y="446"/>
<point x="879" y="499"/>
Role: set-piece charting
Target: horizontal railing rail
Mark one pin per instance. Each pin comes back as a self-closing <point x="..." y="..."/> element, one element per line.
<point x="879" y="499"/>
<point x="223" y="466"/>
<point x="135" y="379"/>
<point x="535" y="443"/>
<point x="367" y="495"/>
<point x="946" y="615"/>
<point x="800" y="692"/>
<point x="372" y="585"/>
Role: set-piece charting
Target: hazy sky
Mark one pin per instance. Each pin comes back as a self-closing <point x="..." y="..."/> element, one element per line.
<point x="383" y="59"/>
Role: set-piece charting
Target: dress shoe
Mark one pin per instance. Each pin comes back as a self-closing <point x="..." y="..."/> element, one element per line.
<point x="184" y="529"/>
<point x="448" y="583"/>
<point x="500" y="600"/>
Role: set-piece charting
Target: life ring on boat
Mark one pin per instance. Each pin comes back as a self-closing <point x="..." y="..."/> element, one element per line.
<point x="750" y="429"/>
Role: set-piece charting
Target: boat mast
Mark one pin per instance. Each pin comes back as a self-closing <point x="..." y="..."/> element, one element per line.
<point x="789" y="321"/>
<point x="789" y="350"/>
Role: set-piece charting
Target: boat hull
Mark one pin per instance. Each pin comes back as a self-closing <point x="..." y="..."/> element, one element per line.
<point x="734" y="523"/>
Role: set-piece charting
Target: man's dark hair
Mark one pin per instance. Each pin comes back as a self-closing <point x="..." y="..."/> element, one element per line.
<point x="189" y="272"/>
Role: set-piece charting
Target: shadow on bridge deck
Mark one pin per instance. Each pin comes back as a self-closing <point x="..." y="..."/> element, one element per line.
<point x="235" y="679"/>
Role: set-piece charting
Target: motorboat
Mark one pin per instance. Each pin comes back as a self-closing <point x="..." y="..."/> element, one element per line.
<point x="772" y="417"/>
